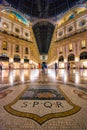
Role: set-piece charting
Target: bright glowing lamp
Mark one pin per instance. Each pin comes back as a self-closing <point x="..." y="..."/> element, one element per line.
<point x="22" y="61"/>
<point x="11" y="60"/>
<point x="77" y="59"/>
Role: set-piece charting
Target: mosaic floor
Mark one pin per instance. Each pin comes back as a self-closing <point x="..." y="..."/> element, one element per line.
<point x="43" y="101"/>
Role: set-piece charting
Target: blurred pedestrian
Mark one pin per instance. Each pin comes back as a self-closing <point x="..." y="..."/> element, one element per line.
<point x="0" y="67"/>
<point x="68" y="67"/>
<point x="56" y="67"/>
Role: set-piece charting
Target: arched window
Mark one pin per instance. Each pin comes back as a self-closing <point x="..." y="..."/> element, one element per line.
<point x="70" y="47"/>
<point x="4" y="45"/>
<point x="17" y="48"/>
<point x="61" y="50"/>
<point x="71" y="57"/>
<point x="83" y="55"/>
<point x="82" y="23"/>
<point x="70" y="29"/>
<point x="16" y="58"/>
<point x="83" y="44"/>
<point x="4" y="57"/>
<point x="26" y="59"/>
<point x="5" y="25"/>
<point x="60" y="33"/>
<point x="17" y="30"/>
<point x="61" y="58"/>
<point x="26" y="50"/>
<point x="26" y="34"/>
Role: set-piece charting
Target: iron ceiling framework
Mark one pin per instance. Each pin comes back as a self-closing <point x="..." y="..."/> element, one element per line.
<point x="42" y="8"/>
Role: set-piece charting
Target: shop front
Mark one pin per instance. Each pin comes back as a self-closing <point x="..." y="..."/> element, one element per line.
<point x="71" y="61"/>
<point x="61" y="62"/>
<point x="26" y="63"/>
<point x="16" y="64"/>
<point x="83" y="60"/>
<point x="4" y="61"/>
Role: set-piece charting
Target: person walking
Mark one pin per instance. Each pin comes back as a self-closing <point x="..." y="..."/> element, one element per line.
<point x="56" y="67"/>
<point x="68" y="67"/>
<point x="0" y="67"/>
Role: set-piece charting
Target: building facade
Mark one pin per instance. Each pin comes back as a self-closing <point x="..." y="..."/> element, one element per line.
<point x="70" y="41"/>
<point x="17" y="43"/>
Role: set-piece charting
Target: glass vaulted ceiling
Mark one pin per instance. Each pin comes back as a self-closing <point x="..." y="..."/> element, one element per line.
<point x="42" y="8"/>
<point x="43" y="33"/>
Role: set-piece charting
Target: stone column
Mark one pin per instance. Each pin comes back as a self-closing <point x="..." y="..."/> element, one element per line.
<point x="65" y="65"/>
<point x="10" y="56"/>
<point x="1" y="46"/>
<point x="77" y="65"/>
<point x="77" y="58"/>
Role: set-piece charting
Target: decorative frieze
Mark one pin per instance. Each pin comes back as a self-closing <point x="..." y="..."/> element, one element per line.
<point x="71" y="28"/>
<point x="14" y="29"/>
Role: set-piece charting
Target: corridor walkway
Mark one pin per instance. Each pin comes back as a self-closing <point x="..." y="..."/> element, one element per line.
<point x="37" y="101"/>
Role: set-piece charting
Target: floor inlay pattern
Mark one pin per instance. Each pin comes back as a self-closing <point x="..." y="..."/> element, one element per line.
<point x="5" y="93"/>
<point x="41" y="104"/>
<point x="81" y="94"/>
